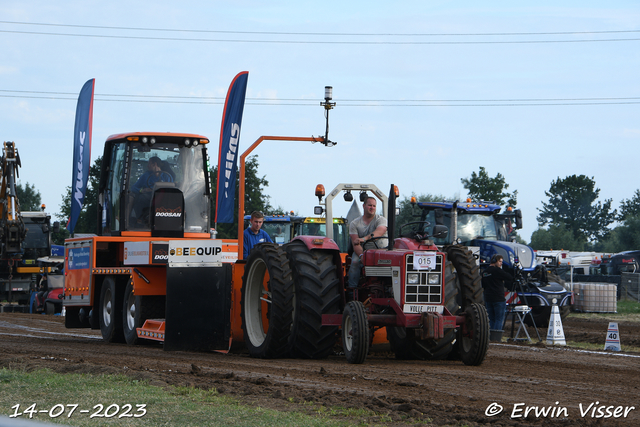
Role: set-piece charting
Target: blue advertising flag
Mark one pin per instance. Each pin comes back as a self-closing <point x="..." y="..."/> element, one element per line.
<point x="81" y="151"/>
<point x="228" y="156"/>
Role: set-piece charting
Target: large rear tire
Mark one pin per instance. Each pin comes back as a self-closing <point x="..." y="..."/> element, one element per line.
<point x="355" y="332"/>
<point x="468" y="272"/>
<point x="317" y="292"/>
<point x="110" y="314"/>
<point x="471" y="292"/>
<point x="136" y="310"/>
<point x="406" y="345"/>
<point x="474" y="340"/>
<point x="267" y="302"/>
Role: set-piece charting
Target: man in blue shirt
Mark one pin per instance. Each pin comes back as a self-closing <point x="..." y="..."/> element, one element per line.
<point x="254" y="234"/>
<point x="143" y="188"/>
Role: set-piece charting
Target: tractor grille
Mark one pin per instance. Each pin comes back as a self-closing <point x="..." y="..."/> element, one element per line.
<point x="428" y="289"/>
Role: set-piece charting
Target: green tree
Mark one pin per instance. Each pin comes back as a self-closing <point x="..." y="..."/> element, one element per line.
<point x="622" y="238"/>
<point x="482" y="187"/>
<point x="409" y="213"/>
<point x="572" y="204"/>
<point x="28" y="197"/>
<point x="630" y="207"/>
<point x="556" y="237"/>
<point x="88" y="220"/>
<point x="255" y="197"/>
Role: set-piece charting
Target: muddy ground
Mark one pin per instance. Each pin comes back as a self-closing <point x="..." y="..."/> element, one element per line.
<point x="513" y="377"/>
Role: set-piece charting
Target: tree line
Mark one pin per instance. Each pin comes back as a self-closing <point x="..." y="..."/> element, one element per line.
<point x="571" y="219"/>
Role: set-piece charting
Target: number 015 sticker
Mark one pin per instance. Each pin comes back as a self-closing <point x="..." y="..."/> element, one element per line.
<point x="424" y="260"/>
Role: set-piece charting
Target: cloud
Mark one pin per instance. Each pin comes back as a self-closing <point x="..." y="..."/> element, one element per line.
<point x="7" y="70"/>
<point x="631" y="133"/>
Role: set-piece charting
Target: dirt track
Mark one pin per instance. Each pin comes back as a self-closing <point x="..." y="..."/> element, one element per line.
<point x="444" y="392"/>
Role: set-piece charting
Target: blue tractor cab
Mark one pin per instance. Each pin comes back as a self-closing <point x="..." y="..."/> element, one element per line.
<point x="486" y="231"/>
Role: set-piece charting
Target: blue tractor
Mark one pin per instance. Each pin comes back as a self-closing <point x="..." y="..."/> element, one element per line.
<point x="486" y="231"/>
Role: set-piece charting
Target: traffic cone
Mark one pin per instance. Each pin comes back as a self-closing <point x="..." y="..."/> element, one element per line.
<point x="555" y="333"/>
<point x="613" y="337"/>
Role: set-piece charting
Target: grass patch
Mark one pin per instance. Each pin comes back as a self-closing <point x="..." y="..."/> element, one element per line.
<point x="628" y="311"/>
<point x="163" y="407"/>
<point x="629" y="307"/>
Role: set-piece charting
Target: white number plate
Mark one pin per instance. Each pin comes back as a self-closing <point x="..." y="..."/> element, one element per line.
<point x="420" y="308"/>
<point x="424" y="260"/>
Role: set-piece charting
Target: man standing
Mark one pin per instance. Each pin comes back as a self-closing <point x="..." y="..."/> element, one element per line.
<point x="254" y="234"/>
<point x="361" y="230"/>
<point x="493" y="281"/>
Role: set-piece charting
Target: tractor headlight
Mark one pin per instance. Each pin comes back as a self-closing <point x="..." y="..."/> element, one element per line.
<point x="434" y="279"/>
<point x="413" y="278"/>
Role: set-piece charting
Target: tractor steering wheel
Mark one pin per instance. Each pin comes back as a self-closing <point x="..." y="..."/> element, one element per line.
<point x="163" y="177"/>
<point x="374" y="240"/>
<point x="416" y="235"/>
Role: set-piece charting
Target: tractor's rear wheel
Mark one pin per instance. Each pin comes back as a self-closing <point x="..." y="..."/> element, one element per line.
<point x="355" y="332"/>
<point x="468" y="275"/>
<point x="267" y="302"/>
<point x="474" y="339"/>
<point x="110" y="315"/>
<point x="317" y="292"/>
<point x="471" y="292"/>
<point x="406" y="345"/>
<point x="136" y="309"/>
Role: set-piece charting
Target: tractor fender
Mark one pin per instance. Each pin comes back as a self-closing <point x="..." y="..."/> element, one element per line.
<point x="318" y="242"/>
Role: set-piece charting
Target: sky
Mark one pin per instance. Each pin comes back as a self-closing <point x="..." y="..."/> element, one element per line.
<point x="426" y="92"/>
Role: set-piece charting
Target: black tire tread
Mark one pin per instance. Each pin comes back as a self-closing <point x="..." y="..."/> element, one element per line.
<point x="478" y="326"/>
<point x="317" y="290"/>
<point x="277" y="341"/>
<point x="468" y="275"/>
<point x="360" y="332"/>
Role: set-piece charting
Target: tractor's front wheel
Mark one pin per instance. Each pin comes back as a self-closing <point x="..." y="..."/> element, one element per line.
<point x="355" y="332"/>
<point x="474" y="337"/>
<point x="267" y="302"/>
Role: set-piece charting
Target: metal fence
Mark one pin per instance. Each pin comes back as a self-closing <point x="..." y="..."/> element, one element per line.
<point x="630" y="286"/>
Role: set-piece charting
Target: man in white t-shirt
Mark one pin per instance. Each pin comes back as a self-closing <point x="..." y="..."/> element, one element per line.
<point x="361" y="230"/>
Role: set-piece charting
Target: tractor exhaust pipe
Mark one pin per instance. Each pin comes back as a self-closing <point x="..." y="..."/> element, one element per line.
<point x="391" y="217"/>
<point x="454" y="223"/>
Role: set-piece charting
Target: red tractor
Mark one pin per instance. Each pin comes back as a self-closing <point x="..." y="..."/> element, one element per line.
<point x="430" y="301"/>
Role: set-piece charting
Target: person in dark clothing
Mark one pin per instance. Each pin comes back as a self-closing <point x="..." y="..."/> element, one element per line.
<point x="493" y="282"/>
